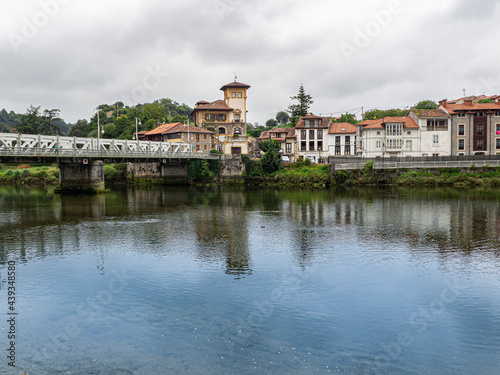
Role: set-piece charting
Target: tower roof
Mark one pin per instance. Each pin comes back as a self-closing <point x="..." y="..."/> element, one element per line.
<point x="235" y="85"/>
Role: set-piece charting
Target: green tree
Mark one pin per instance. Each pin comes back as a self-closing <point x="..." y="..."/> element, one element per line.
<point x="379" y="114"/>
<point x="82" y="129"/>
<point x="347" y="117"/>
<point x="283" y="118"/>
<point x="302" y="108"/>
<point x="426" y="104"/>
<point x="29" y="123"/>
<point x="271" y="123"/>
<point x="271" y="161"/>
<point x="48" y="123"/>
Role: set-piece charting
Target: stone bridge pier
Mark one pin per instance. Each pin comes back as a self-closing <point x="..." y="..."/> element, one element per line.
<point x="82" y="176"/>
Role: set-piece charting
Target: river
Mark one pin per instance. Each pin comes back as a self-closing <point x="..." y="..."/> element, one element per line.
<point x="235" y="281"/>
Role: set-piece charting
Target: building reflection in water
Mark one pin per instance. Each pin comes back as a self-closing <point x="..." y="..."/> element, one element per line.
<point x="222" y="233"/>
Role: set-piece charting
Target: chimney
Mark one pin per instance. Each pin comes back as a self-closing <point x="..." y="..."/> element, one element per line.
<point x="443" y="102"/>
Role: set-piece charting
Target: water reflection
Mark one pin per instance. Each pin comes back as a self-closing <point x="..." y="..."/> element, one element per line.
<point x="446" y="220"/>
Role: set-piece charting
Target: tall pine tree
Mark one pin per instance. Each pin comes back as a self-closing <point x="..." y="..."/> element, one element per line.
<point x="298" y="110"/>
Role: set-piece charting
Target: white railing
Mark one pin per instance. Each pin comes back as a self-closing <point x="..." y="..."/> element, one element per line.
<point x="420" y="164"/>
<point x="43" y="145"/>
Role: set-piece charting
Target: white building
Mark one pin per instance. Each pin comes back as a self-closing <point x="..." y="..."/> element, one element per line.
<point x="435" y="131"/>
<point x="341" y="139"/>
<point x="390" y="136"/>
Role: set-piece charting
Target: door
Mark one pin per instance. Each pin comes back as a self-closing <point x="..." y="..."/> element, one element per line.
<point x="235" y="150"/>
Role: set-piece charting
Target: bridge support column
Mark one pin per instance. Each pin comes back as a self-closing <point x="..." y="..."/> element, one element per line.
<point x="77" y="177"/>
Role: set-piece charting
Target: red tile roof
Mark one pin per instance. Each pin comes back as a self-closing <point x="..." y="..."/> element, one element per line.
<point x="408" y="122"/>
<point x="218" y="105"/>
<point x="324" y="121"/>
<point x="265" y="135"/>
<point x="430" y="113"/>
<point x="456" y="108"/>
<point x="160" y="129"/>
<point x="182" y="128"/>
<point x="342" y="128"/>
<point x="235" y="84"/>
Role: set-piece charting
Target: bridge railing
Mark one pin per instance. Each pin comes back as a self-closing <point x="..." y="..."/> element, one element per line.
<point x="61" y="152"/>
<point x="42" y="145"/>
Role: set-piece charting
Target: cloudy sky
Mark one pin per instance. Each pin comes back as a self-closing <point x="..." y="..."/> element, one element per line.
<point x="75" y="54"/>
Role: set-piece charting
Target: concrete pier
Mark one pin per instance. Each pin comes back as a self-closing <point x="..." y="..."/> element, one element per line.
<point x="85" y="176"/>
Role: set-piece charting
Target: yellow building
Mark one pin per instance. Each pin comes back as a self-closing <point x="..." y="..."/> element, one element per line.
<point x="226" y="118"/>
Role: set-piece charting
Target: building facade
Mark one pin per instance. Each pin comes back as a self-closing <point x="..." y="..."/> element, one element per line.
<point x="287" y="139"/>
<point x="312" y="137"/>
<point x="341" y="139"/>
<point x="226" y="118"/>
<point x="390" y="136"/>
<point x="475" y="125"/>
<point x="435" y="131"/>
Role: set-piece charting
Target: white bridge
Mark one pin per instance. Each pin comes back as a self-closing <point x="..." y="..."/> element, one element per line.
<point x="19" y="145"/>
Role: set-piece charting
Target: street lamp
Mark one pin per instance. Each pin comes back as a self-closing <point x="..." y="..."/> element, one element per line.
<point x="136" y="137"/>
<point x="99" y="125"/>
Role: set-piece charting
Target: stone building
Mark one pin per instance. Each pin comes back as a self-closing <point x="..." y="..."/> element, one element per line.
<point x="226" y="118"/>
<point x="475" y="125"/>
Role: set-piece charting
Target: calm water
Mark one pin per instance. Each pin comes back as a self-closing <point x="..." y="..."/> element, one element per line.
<point x="228" y="281"/>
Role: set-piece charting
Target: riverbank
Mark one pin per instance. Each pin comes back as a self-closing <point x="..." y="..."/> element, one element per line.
<point x="290" y="175"/>
<point x="465" y="177"/>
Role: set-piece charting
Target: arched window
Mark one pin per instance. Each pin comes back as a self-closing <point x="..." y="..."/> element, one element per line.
<point x="222" y="130"/>
<point x="237" y="130"/>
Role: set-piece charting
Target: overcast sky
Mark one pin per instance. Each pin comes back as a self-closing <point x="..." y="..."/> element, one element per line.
<point x="75" y="54"/>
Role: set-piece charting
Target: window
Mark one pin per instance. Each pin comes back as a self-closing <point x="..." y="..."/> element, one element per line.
<point x="320" y="145"/>
<point x="205" y="147"/>
<point x="461" y="114"/>
<point x="197" y="137"/>
<point x="221" y="118"/>
<point x="204" y="136"/>
<point x="222" y="130"/>
<point x="435" y="155"/>
<point x="320" y="134"/>
<point x="347" y="139"/>
<point x="497" y="113"/>
<point x="394" y="130"/>
<point x="312" y="123"/>
<point x="237" y="130"/>
<point x="408" y="132"/>
<point x="303" y="146"/>
<point x="209" y="117"/>
<point x="311" y="145"/>
<point x="337" y="150"/>
<point x="408" y="145"/>
<point x="479" y="129"/>
<point x="498" y="144"/>
<point x="461" y="129"/>
<point x="347" y="150"/>
<point x="393" y="144"/>
<point x="480" y="114"/>
<point x="498" y="129"/>
<point x="237" y="117"/>
<point x="311" y="134"/>
<point x="233" y="94"/>
<point x="288" y="148"/>
<point x="461" y="144"/>
<point x="435" y="140"/>
<point x="240" y="95"/>
<point x="303" y="134"/>
<point x="337" y="139"/>
<point x="479" y="144"/>
<point x="378" y="145"/>
<point x="378" y="133"/>
<point x="197" y="147"/>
